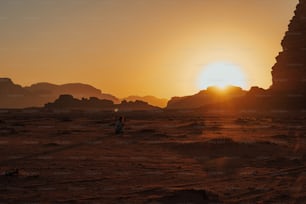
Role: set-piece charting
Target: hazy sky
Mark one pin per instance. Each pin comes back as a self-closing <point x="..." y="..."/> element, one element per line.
<point x="125" y="47"/>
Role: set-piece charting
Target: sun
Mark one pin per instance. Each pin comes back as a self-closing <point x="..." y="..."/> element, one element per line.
<point x="221" y="75"/>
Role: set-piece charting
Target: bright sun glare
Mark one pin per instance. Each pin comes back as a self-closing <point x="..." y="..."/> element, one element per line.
<point x="221" y="74"/>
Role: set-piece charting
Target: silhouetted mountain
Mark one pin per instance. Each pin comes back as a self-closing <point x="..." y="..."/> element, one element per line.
<point x="210" y="96"/>
<point x="160" y="102"/>
<point x="12" y="95"/>
<point x="258" y="99"/>
<point x="288" y="91"/>
<point x="78" y="90"/>
<point x="36" y="95"/>
<point x="68" y="102"/>
<point x="8" y="87"/>
<point x="136" y="105"/>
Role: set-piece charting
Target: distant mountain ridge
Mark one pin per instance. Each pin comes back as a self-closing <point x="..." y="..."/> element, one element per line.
<point x="160" y="102"/>
<point x="37" y="95"/>
<point x="78" y="90"/>
<point x="68" y="102"/>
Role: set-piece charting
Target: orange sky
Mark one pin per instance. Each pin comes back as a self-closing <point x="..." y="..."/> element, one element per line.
<point x="139" y="47"/>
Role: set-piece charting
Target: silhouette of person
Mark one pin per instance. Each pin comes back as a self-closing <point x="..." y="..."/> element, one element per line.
<point x="119" y="125"/>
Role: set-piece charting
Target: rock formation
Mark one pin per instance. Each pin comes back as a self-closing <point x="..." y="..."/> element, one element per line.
<point x="16" y="96"/>
<point x="78" y="90"/>
<point x="289" y="72"/>
<point x="8" y="87"/>
<point x="136" y="105"/>
<point x="288" y="91"/>
<point x="68" y="102"/>
<point x="152" y="100"/>
<point x="13" y="95"/>
<point x="210" y="96"/>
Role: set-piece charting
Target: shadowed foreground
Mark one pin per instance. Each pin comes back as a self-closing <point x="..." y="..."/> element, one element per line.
<point x="161" y="158"/>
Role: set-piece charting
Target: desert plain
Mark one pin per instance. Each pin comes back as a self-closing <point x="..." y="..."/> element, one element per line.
<point x="162" y="157"/>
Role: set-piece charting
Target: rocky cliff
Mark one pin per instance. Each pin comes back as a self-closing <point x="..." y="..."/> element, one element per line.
<point x="289" y="72"/>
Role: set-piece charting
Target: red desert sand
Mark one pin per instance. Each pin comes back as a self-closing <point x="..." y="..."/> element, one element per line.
<point x="162" y="157"/>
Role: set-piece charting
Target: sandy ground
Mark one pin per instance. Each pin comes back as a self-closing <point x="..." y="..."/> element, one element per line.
<point x="160" y="158"/>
